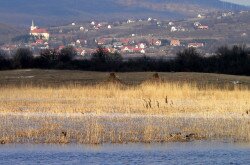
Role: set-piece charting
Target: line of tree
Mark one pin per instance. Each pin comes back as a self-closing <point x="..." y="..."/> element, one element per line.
<point x="234" y="60"/>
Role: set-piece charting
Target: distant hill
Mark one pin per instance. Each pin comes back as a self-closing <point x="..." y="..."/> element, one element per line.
<point x="7" y="32"/>
<point x="48" y="12"/>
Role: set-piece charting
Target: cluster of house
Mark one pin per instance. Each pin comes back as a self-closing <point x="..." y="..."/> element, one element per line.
<point x="174" y="28"/>
<point x="127" y="45"/>
<point x="130" y="45"/>
<point x="8" y="48"/>
<point x="177" y="42"/>
<point x="149" y="19"/>
<point x="230" y="13"/>
<point x="94" y="26"/>
<point x="179" y="28"/>
<point x="41" y="40"/>
<point x="98" y="26"/>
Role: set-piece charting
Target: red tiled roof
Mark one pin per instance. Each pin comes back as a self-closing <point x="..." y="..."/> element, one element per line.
<point x="175" y="42"/>
<point x="39" y="31"/>
<point x="138" y="49"/>
<point x="61" y="47"/>
<point x="39" y="41"/>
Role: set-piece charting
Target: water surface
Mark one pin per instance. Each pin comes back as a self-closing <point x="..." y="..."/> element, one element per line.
<point x="171" y="153"/>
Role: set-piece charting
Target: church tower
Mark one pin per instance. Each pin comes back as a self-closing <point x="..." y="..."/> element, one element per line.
<point x="39" y="32"/>
<point x="33" y="27"/>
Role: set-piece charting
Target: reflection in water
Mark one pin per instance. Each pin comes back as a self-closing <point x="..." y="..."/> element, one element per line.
<point x="171" y="153"/>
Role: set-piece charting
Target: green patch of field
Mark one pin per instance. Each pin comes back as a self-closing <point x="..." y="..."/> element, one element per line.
<point x="66" y="77"/>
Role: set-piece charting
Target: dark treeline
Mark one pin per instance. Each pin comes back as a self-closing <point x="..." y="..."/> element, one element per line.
<point x="235" y="60"/>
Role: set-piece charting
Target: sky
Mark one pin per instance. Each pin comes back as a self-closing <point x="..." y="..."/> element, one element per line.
<point x="242" y="2"/>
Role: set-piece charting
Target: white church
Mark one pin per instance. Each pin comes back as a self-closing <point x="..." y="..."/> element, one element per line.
<point x="39" y="32"/>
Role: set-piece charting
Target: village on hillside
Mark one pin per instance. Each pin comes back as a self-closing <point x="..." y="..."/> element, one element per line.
<point x="138" y="37"/>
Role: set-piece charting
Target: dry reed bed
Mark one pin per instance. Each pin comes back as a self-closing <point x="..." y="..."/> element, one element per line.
<point x="150" y="112"/>
<point x="148" y="98"/>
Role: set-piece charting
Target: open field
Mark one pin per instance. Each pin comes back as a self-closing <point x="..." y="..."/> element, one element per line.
<point x="85" y="107"/>
<point x="57" y="78"/>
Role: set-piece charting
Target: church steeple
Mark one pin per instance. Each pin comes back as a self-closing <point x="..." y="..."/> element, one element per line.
<point x="32" y="23"/>
<point x="33" y="26"/>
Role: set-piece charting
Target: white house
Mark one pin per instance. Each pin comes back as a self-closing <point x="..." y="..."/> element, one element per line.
<point x="78" y="42"/>
<point x="173" y="29"/>
<point x="171" y="23"/>
<point x="142" y="45"/>
<point x="199" y="16"/>
<point x="130" y="21"/>
<point x="82" y="28"/>
<point x="196" y="24"/>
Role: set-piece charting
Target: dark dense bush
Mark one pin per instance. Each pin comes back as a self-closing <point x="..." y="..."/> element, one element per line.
<point x="5" y="62"/>
<point x="48" y="59"/>
<point x="105" y="61"/>
<point x="23" y="58"/>
<point x="189" y="60"/>
<point x="67" y="54"/>
<point x="235" y="60"/>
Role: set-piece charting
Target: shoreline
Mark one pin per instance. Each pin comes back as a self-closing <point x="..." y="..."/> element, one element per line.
<point x="120" y="129"/>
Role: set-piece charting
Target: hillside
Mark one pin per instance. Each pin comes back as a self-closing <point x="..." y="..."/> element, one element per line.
<point x="7" y="32"/>
<point x="58" y="11"/>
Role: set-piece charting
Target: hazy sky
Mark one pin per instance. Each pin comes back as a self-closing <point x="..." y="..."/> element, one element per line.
<point x="243" y="2"/>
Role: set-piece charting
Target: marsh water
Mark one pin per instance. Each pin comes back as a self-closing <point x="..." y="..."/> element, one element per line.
<point x="171" y="153"/>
